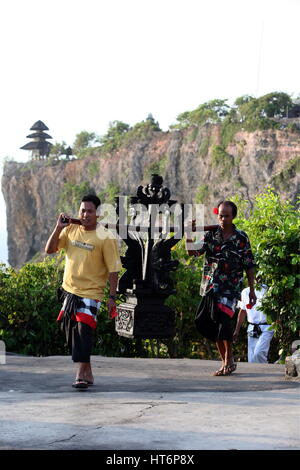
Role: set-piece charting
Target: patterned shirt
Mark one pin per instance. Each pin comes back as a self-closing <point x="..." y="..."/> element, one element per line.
<point x="225" y="261"/>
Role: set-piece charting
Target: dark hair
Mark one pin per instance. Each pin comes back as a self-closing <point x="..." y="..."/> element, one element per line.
<point x="231" y="204"/>
<point x="92" y="198"/>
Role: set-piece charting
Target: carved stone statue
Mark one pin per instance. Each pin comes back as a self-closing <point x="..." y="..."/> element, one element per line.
<point x="148" y="262"/>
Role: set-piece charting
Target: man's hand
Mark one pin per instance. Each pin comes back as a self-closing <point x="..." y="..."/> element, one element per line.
<point x="111" y="304"/>
<point x="59" y="223"/>
<point x="52" y="243"/>
<point x="113" y="282"/>
<point x="190" y="228"/>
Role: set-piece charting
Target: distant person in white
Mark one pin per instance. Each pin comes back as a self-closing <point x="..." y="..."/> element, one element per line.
<point x="259" y="334"/>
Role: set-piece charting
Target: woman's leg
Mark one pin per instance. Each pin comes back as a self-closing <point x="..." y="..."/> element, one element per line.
<point x="225" y="351"/>
<point x="221" y="349"/>
<point x="228" y="352"/>
<point x="230" y="365"/>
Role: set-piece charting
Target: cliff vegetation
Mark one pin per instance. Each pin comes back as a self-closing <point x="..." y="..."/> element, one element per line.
<point x="211" y="152"/>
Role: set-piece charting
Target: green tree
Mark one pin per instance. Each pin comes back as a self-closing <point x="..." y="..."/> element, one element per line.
<point x="142" y="130"/>
<point x="212" y="112"/>
<point x="114" y="136"/>
<point x="58" y="149"/>
<point x="82" y="142"/>
<point x="243" y="100"/>
<point x="256" y="113"/>
<point x="247" y="113"/>
<point x="275" y="104"/>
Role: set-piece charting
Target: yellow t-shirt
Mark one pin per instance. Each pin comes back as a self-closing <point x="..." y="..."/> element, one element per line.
<point x="90" y="257"/>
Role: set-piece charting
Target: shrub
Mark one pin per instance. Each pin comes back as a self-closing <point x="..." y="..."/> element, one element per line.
<point x="158" y="167"/>
<point x="273" y="227"/>
<point x="202" y="193"/>
<point x="222" y="160"/>
<point x="29" y="308"/>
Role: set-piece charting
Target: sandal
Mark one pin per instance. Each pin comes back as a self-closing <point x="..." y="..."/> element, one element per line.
<point x="219" y="372"/>
<point x="229" y="369"/>
<point x="80" y="383"/>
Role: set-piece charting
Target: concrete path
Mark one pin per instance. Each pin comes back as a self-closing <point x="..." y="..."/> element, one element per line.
<point x="149" y="404"/>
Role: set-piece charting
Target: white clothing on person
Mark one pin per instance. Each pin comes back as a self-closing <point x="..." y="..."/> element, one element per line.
<point x="258" y="347"/>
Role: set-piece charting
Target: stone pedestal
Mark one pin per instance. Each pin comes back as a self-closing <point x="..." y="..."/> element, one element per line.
<point x="292" y="366"/>
<point x="145" y="316"/>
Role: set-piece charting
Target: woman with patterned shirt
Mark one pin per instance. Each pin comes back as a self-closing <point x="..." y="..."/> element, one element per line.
<point x="227" y="254"/>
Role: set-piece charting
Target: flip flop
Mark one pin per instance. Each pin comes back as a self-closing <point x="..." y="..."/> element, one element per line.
<point x="80" y="383"/>
<point x="229" y="369"/>
<point x="219" y="372"/>
<point x="89" y="382"/>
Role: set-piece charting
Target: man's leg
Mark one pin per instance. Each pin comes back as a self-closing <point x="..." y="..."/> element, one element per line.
<point x="84" y="372"/>
<point x="251" y="345"/>
<point x="262" y="347"/>
<point x="81" y="353"/>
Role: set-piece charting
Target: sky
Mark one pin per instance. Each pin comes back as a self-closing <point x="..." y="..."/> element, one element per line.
<point x="79" y="65"/>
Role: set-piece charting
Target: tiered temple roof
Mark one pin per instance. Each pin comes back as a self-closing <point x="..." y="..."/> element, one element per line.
<point x="39" y="146"/>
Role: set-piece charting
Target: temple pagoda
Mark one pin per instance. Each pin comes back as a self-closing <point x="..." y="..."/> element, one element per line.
<point x="39" y="146"/>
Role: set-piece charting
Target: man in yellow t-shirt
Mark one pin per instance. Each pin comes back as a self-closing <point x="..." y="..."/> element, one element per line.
<point x="92" y="259"/>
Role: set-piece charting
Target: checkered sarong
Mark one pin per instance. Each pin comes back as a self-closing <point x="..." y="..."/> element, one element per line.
<point x="82" y="309"/>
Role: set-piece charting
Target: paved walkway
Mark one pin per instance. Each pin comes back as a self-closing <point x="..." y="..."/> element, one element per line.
<point x="149" y="404"/>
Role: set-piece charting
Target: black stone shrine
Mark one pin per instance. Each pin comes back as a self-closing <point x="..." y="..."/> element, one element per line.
<point x="147" y="283"/>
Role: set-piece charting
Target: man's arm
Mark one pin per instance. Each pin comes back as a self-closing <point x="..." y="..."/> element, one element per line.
<point x="190" y="245"/>
<point x="192" y="252"/>
<point x="52" y="243"/>
<point x="250" y="277"/>
<point x="113" y="282"/>
<point x="241" y="317"/>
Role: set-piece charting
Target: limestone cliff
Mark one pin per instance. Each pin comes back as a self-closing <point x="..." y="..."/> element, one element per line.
<point x="193" y="162"/>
